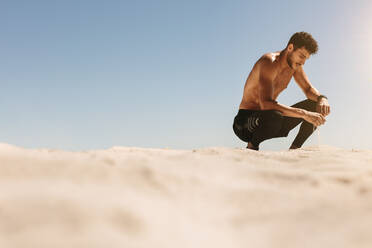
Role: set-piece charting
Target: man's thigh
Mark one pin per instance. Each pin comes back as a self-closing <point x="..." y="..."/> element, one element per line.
<point x="307" y="104"/>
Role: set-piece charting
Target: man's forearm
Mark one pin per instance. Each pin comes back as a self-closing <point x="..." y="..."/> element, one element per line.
<point x="312" y="94"/>
<point x="285" y="110"/>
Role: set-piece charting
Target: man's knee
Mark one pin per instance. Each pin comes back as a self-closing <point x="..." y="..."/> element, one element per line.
<point x="307" y="104"/>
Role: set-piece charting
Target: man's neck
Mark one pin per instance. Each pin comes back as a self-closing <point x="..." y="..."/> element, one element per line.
<point x="283" y="64"/>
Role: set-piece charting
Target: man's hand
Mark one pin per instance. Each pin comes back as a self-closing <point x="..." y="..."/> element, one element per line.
<point x="323" y="107"/>
<point x="314" y="118"/>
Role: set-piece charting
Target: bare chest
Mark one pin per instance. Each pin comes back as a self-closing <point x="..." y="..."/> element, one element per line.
<point x="281" y="82"/>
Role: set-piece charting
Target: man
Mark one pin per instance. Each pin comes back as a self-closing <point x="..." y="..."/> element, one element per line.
<point x="260" y="116"/>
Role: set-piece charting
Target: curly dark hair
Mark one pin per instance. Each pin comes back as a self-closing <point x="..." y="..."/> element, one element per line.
<point x="303" y="39"/>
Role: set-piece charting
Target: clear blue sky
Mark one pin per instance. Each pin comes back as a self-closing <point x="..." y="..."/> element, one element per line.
<point x="80" y="75"/>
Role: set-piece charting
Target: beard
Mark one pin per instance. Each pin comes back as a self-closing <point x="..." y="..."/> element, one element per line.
<point x="290" y="61"/>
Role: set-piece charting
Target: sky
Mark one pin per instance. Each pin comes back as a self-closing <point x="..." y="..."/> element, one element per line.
<point x="81" y="75"/>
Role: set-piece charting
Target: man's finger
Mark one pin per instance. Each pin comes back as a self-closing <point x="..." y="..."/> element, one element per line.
<point x="319" y="109"/>
<point x="324" y="109"/>
<point x="323" y="121"/>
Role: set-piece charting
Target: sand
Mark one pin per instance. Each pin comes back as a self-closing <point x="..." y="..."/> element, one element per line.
<point x="212" y="197"/>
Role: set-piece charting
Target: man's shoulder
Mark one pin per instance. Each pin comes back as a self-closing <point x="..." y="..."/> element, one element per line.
<point x="267" y="63"/>
<point x="269" y="56"/>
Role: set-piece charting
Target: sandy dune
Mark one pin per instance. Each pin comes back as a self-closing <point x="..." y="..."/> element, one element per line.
<point x="212" y="197"/>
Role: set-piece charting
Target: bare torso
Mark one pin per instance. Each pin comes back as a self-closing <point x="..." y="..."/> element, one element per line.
<point x="251" y="88"/>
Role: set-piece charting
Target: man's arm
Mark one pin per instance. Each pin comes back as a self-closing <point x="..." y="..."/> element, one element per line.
<point x="311" y="93"/>
<point x="266" y="91"/>
<point x="303" y="81"/>
<point x="267" y="75"/>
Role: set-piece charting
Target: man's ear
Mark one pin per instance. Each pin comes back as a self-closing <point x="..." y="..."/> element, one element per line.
<point x="290" y="47"/>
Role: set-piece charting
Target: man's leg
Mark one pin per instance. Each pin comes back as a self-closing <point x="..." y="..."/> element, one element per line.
<point x="244" y="124"/>
<point x="306" y="128"/>
<point x="269" y="125"/>
<point x="273" y="125"/>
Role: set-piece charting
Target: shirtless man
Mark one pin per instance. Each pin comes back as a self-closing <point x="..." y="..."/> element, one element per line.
<point x="260" y="116"/>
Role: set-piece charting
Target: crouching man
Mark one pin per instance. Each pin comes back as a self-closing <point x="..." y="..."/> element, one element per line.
<point x="260" y="116"/>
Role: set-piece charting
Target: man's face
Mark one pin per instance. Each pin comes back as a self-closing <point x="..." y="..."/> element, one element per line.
<point x="298" y="57"/>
